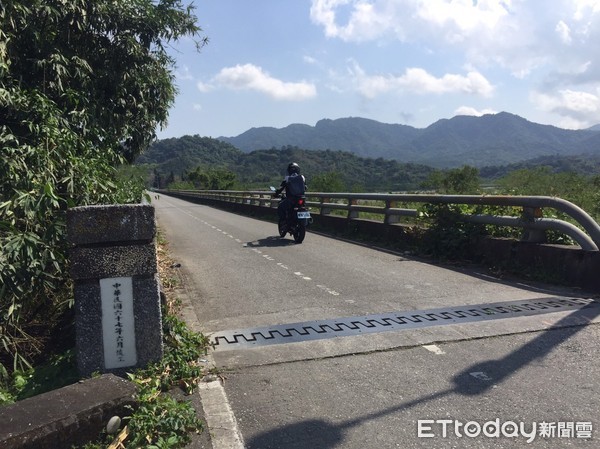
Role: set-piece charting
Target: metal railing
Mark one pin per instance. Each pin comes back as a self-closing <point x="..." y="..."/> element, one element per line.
<point x="586" y="235"/>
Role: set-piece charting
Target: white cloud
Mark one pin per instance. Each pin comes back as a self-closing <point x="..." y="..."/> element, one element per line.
<point x="465" y="15"/>
<point x="579" y="109"/>
<point x="473" y="83"/>
<point x="585" y="8"/>
<point x="367" y="20"/>
<point x="564" y="32"/>
<point x="582" y="102"/>
<point x="373" y="19"/>
<point x="467" y="110"/>
<point x="184" y="74"/>
<point x="204" y="87"/>
<point x="251" y="77"/>
<point x="521" y="36"/>
<point x="419" y="81"/>
<point x="568" y="100"/>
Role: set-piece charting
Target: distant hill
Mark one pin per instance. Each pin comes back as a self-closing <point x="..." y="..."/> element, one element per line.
<point x="259" y="169"/>
<point x="493" y="139"/>
<point x="185" y="153"/>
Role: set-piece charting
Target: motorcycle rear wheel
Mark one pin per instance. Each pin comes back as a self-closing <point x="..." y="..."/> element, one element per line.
<point x="299" y="234"/>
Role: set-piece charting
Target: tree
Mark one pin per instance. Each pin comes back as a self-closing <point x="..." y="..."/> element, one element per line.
<point x="463" y="180"/>
<point x="581" y="190"/>
<point x="83" y="86"/>
<point x="212" y="178"/>
<point x="170" y="178"/>
<point x="327" y="182"/>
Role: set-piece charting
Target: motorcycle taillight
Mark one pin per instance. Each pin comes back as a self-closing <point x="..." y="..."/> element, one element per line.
<point x="301" y="202"/>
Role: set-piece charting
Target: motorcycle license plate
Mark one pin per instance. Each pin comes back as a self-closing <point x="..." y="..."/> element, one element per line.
<point x="305" y="214"/>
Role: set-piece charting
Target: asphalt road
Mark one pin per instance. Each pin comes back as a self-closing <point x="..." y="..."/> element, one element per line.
<point x="407" y="388"/>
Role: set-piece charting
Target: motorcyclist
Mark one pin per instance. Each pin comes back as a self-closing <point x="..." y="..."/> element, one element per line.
<point x="294" y="184"/>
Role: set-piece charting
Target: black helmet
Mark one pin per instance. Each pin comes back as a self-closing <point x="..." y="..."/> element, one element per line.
<point x="293" y="168"/>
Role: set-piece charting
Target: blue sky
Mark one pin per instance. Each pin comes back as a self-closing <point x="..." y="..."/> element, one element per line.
<point x="413" y="62"/>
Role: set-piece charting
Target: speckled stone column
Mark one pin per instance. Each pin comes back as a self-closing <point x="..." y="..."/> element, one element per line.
<point x="117" y="301"/>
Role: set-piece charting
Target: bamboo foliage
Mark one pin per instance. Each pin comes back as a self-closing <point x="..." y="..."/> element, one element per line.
<point x="83" y="86"/>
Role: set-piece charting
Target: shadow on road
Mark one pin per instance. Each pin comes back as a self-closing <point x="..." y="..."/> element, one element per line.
<point x="322" y="434"/>
<point x="270" y="242"/>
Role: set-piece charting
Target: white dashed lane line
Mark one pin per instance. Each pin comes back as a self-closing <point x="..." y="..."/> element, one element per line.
<point x="265" y="256"/>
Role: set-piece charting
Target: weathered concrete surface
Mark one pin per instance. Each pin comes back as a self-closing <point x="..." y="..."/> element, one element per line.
<point x="112" y="242"/>
<point x="566" y="264"/>
<point x="72" y="415"/>
<point x="113" y="261"/>
<point x="115" y="223"/>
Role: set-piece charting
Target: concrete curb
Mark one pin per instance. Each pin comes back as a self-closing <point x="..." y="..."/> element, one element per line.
<point x="220" y="420"/>
<point x="72" y="415"/>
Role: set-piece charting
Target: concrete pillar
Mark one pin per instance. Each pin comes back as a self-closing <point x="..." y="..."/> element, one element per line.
<point x="117" y="303"/>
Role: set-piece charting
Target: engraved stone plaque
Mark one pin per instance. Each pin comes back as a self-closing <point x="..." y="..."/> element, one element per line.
<point x="118" y="327"/>
<point x="116" y="287"/>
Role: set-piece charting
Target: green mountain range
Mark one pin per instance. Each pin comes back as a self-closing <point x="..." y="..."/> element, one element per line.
<point x="493" y="139"/>
<point x="177" y="156"/>
<point x="495" y="144"/>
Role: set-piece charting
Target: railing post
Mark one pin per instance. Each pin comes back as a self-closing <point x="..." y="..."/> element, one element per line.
<point x="529" y="215"/>
<point x="352" y="214"/>
<point x="389" y="218"/>
<point x="324" y="210"/>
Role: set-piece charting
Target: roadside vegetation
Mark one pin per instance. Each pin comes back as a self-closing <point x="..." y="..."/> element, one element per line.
<point x="83" y="87"/>
<point x="448" y="236"/>
<point x="162" y="420"/>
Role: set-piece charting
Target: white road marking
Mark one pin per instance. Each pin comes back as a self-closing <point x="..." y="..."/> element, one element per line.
<point x="435" y="349"/>
<point x="266" y="256"/>
<point x="480" y="375"/>
<point x="328" y="290"/>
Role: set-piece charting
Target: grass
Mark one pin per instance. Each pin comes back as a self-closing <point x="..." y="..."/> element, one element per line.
<point x="160" y="420"/>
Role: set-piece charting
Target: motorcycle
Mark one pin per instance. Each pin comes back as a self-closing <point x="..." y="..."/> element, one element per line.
<point x="297" y="217"/>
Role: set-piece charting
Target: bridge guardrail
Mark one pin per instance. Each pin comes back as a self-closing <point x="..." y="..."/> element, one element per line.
<point x="587" y="237"/>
